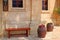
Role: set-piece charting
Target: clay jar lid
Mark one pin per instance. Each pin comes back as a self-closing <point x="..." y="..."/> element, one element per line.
<point x="41" y="25"/>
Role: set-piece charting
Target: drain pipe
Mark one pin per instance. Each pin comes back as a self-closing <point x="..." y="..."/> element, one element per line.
<point x="30" y="13"/>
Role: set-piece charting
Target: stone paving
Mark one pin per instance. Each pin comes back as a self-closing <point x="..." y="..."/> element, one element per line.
<point x="54" y="35"/>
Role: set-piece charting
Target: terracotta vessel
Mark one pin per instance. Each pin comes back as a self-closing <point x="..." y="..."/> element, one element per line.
<point x="50" y="27"/>
<point x="41" y="31"/>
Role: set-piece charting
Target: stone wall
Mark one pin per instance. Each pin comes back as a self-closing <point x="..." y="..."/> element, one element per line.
<point x="23" y="17"/>
<point x="0" y="15"/>
<point x="46" y="15"/>
<point x="36" y="15"/>
<point x="32" y="12"/>
<point x="17" y="17"/>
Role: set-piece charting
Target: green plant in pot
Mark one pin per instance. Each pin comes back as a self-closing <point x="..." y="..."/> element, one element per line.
<point x="56" y="16"/>
<point x="57" y="10"/>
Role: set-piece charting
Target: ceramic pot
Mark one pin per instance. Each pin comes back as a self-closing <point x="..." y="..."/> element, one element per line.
<point x="41" y="31"/>
<point x="50" y="27"/>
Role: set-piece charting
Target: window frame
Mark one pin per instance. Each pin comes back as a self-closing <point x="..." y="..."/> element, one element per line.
<point x="48" y="7"/>
<point x="5" y="5"/>
<point x="16" y="3"/>
<point x="17" y="8"/>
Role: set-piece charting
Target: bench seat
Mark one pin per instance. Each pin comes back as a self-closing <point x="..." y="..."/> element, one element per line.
<point x="18" y="29"/>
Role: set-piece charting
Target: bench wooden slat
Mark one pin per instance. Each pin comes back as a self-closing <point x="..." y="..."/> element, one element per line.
<point x="11" y="29"/>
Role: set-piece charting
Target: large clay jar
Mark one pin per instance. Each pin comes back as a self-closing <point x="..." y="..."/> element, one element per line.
<point x="41" y="31"/>
<point x="50" y="27"/>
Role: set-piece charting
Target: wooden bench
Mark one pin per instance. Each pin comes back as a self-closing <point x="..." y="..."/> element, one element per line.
<point x="18" y="29"/>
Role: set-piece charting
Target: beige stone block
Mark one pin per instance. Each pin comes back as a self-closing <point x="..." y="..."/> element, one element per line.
<point x="1" y="35"/>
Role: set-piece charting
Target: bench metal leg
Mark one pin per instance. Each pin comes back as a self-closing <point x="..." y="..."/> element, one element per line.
<point x="27" y="33"/>
<point x="8" y="34"/>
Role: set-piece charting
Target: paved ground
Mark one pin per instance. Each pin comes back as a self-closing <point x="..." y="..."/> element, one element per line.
<point x="54" y="35"/>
